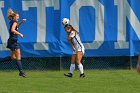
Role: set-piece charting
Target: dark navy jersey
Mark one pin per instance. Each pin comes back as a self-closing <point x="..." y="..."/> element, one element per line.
<point x="12" y="43"/>
<point x="11" y="34"/>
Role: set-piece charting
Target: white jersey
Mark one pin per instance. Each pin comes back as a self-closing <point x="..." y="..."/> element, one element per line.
<point x="77" y="42"/>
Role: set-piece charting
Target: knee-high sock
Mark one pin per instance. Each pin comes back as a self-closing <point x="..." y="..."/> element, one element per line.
<point x="72" y="68"/>
<point x="80" y="66"/>
<point x="19" y="65"/>
<point x="8" y="58"/>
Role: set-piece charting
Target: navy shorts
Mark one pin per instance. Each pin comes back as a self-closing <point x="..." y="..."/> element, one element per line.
<point x="12" y="44"/>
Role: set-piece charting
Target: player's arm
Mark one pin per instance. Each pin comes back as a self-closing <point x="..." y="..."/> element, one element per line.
<point x="14" y="31"/>
<point x="71" y="43"/>
<point x="70" y="36"/>
<point x="23" y="20"/>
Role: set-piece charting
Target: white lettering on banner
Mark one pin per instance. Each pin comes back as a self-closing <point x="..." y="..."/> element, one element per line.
<point x="3" y="29"/>
<point x="41" y="19"/>
<point x="99" y="28"/>
<point x="124" y="10"/>
<point x="121" y="36"/>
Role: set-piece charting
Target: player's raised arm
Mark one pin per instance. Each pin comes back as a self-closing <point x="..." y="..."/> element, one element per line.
<point x="23" y="20"/>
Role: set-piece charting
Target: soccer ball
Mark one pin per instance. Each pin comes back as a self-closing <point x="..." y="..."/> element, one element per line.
<point x="65" y="21"/>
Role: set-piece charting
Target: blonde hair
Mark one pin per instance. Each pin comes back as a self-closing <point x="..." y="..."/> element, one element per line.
<point x="11" y="14"/>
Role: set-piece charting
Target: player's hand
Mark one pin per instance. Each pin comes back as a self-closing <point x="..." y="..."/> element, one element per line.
<point x="23" y="20"/>
<point x="21" y="35"/>
<point x="74" y="49"/>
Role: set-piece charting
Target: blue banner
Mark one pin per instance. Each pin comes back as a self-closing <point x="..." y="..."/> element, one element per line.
<point x="107" y="27"/>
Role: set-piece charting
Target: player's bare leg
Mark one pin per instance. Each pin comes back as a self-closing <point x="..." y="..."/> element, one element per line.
<point x="13" y="55"/>
<point x="78" y="62"/>
<point x="138" y="65"/>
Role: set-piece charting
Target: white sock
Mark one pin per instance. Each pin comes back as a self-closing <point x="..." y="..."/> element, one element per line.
<point x="80" y="66"/>
<point x="72" y="68"/>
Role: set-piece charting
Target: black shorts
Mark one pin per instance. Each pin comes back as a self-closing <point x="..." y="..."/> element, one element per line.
<point x="12" y="44"/>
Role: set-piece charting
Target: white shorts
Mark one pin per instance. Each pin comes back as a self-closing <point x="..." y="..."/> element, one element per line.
<point x="79" y="50"/>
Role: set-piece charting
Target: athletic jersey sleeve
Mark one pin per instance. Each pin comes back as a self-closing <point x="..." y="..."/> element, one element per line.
<point x="72" y="34"/>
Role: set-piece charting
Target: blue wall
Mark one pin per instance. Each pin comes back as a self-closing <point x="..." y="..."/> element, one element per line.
<point x="107" y="27"/>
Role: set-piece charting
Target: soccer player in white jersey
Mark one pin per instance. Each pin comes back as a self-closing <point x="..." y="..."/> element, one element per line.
<point x="78" y="50"/>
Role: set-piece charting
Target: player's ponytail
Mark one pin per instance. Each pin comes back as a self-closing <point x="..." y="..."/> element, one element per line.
<point x="10" y="14"/>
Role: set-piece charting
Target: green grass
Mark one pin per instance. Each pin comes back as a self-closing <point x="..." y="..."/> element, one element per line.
<point x="96" y="81"/>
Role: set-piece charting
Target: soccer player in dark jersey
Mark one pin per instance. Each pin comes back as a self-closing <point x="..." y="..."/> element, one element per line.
<point x="12" y="43"/>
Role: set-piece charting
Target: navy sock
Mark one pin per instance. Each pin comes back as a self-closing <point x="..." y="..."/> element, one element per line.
<point x="19" y="65"/>
<point x="6" y="59"/>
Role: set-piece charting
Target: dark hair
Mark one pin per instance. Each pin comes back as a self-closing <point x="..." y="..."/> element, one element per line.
<point x="71" y="28"/>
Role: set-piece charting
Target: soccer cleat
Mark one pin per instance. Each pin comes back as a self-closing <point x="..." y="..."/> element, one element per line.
<point x="68" y="75"/>
<point x="22" y="74"/>
<point x="82" y="75"/>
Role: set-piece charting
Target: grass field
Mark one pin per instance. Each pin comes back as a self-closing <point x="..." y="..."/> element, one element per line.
<point x="96" y="81"/>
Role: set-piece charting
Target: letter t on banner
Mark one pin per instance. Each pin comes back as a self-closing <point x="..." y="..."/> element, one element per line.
<point x="41" y="19"/>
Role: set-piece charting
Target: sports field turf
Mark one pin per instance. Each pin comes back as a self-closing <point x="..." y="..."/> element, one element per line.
<point x="96" y="81"/>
